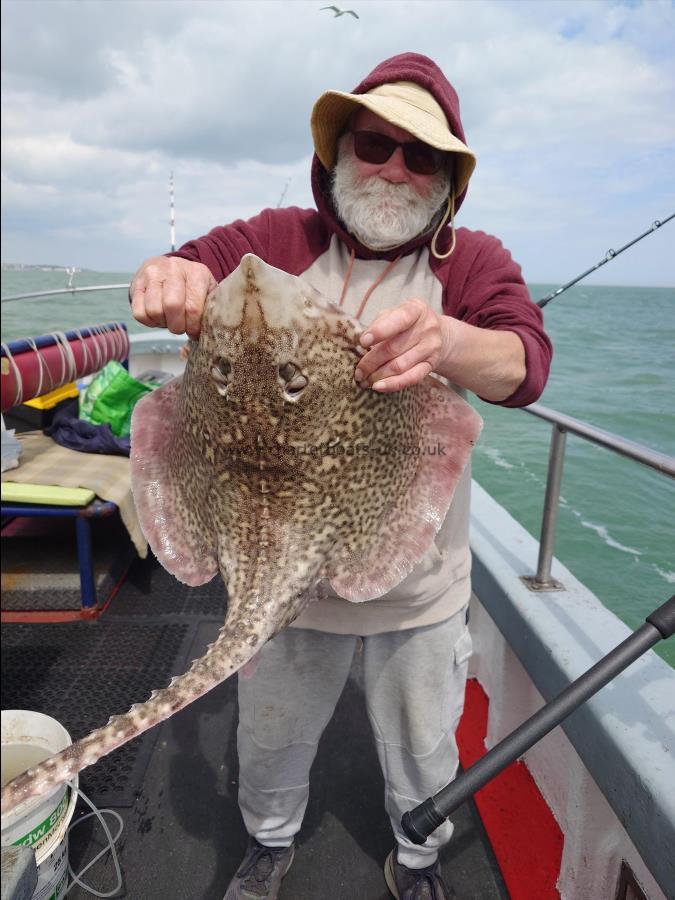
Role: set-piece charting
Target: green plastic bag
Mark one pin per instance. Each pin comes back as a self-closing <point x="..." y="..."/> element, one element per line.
<point x="111" y="397"/>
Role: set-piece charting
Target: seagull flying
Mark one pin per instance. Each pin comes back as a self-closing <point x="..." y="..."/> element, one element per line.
<point x="340" y="12"/>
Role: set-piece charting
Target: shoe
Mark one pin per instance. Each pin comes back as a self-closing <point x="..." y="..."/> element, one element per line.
<point x="415" y="884"/>
<point x="260" y="873"/>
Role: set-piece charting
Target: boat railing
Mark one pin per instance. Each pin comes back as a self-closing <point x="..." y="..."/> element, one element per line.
<point x="69" y="290"/>
<point x="561" y="424"/>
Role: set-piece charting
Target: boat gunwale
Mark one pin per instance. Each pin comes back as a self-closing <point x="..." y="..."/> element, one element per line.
<point x="558" y="636"/>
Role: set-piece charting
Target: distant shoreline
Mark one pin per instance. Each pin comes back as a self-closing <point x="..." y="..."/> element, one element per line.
<point x="41" y="267"/>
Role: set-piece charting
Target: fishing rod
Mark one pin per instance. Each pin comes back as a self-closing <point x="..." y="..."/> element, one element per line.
<point x="421" y="821"/>
<point x="610" y="255"/>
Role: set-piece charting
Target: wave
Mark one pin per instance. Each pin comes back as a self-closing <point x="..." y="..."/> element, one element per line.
<point x="602" y="532"/>
<point x="496" y="457"/>
<point x="667" y="576"/>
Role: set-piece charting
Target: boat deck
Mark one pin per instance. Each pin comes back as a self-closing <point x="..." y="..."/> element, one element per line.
<point x="176" y="787"/>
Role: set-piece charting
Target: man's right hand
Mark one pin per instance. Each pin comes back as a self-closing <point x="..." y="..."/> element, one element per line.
<point x="169" y="292"/>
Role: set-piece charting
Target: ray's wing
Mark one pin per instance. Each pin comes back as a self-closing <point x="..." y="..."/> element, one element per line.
<point x="423" y="441"/>
<point x="170" y="486"/>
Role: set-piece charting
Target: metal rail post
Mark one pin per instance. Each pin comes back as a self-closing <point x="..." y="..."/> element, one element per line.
<point x="542" y="581"/>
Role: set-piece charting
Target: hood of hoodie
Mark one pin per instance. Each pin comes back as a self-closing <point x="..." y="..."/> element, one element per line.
<point x="404" y="67"/>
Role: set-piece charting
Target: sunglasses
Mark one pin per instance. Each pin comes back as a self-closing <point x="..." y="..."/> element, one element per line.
<point x="376" y="148"/>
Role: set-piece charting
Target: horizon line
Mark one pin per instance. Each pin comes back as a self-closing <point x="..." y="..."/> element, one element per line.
<point x="56" y="267"/>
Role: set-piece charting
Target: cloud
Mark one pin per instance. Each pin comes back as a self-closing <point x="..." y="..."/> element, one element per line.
<point x="567" y="104"/>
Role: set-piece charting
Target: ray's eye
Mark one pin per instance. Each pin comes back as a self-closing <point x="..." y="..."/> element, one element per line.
<point x="221" y="370"/>
<point x="287" y="371"/>
<point x="293" y="379"/>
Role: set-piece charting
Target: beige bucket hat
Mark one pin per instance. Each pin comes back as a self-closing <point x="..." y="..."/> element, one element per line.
<point x="402" y="103"/>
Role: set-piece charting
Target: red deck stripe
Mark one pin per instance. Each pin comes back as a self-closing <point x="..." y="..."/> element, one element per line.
<point x="52" y="616"/>
<point x="47" y="616"/>
<point x="525" y="837"/>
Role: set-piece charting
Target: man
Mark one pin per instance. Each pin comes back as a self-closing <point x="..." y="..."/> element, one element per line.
<point x="390" y="171"/>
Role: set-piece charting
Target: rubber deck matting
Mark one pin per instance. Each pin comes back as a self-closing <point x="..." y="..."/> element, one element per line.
<point x="184" y="837"/>
<point x="176" y="786"/>
<point x="81" y="673"/>
<point x="149" y="590"/>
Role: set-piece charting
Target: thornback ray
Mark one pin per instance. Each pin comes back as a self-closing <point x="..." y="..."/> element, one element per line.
<point x="266" y="462"/>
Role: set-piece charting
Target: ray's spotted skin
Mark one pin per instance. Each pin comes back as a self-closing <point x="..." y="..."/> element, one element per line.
<point x="267" y="462"/>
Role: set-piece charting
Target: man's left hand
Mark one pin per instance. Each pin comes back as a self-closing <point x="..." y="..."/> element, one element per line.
<point x="404" y="345"/>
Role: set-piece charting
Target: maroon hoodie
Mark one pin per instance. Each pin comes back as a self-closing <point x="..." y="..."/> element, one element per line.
<point x="479" y="282"/>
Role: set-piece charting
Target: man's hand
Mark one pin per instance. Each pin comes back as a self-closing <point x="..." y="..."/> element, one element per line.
<point x="169" y="292"/>
<point x="410" y="341"/>
<point x="405" y="344"/>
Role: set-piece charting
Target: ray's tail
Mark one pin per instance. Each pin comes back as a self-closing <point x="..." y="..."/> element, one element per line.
<point x="229" y="652"/>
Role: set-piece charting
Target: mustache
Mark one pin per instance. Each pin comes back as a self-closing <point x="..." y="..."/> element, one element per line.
<point x="377" y="188"/>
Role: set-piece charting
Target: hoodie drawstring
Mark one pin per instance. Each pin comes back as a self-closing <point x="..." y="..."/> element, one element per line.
<point x="345" y="283"/>
<point x="380" y="278"/>
<point x="450" y="211"/>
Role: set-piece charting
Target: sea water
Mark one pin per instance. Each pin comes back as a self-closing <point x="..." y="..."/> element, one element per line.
<point x="614" y="366"/>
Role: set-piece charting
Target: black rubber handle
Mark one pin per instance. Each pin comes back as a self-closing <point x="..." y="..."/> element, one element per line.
<point x="663" y="618"/>
<point x="418" y="823"/>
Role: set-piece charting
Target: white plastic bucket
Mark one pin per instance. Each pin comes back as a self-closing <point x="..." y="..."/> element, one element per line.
<point x="40" y="822"/>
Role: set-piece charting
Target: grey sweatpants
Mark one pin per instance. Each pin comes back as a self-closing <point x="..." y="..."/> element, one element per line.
<point x="414" y="691"/>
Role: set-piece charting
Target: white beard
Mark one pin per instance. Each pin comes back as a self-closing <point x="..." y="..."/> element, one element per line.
<point x="380" y="214"/>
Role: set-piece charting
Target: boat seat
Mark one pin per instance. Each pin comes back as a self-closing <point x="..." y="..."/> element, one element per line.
<point x="55" y="482"/>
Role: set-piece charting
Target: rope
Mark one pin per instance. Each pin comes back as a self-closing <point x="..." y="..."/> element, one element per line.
<point x="18" y="393"/>
<point x="66" y="354"/>
<point x="110" y="846"/>
<point x="42" y="366"/>
<point x="107" y="342"/>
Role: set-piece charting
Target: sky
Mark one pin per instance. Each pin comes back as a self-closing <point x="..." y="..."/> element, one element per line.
<point x="568" y="105"/>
